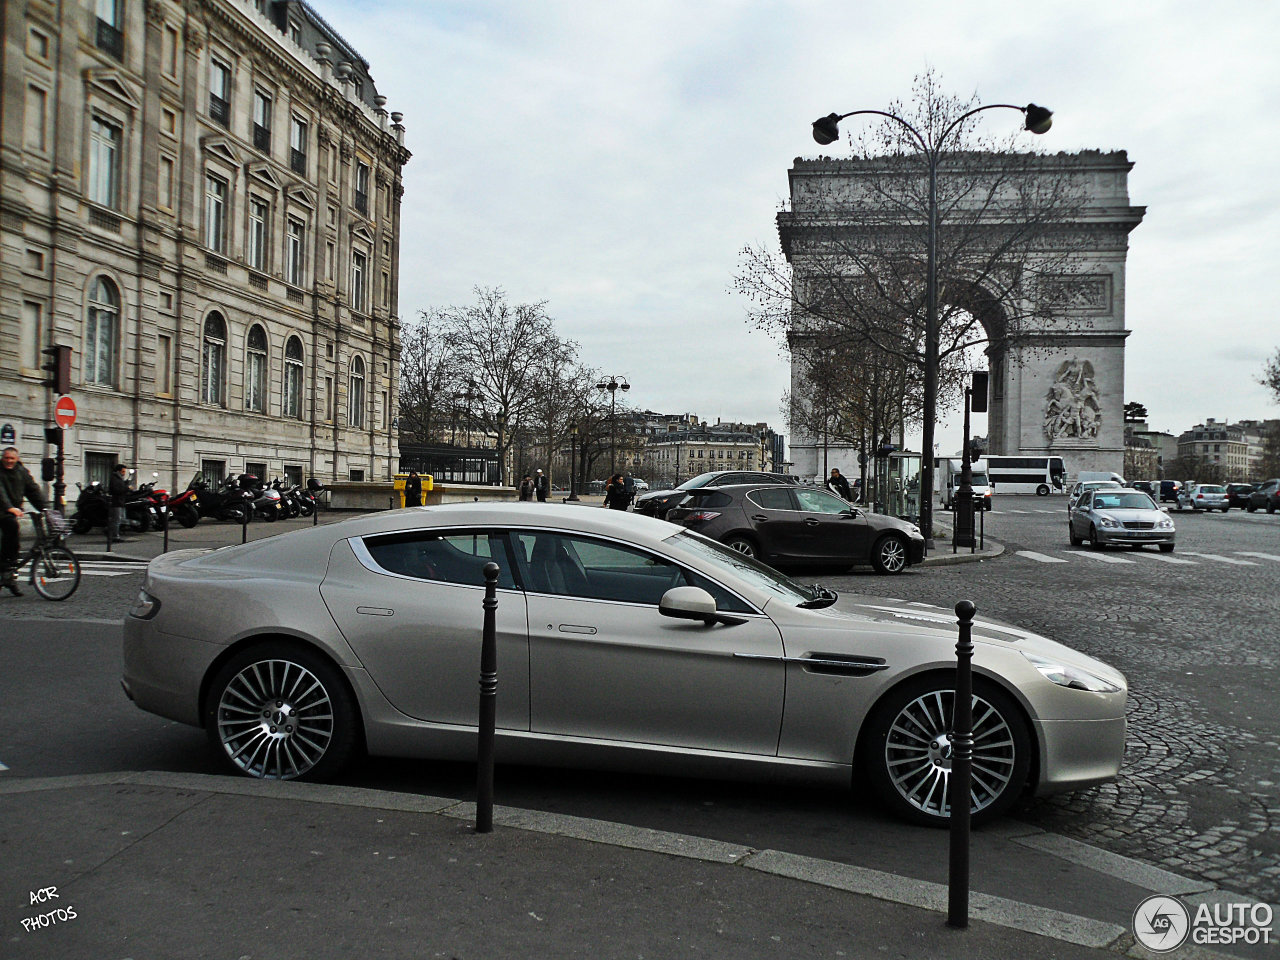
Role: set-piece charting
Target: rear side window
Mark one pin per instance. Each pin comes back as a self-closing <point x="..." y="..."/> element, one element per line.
<point x="450" y="558"/>
<point x="709" y="498"/>
<point x="779" y="499"/>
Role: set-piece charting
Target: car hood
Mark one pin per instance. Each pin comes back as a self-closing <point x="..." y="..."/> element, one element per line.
<point x="659" y="494"/>
<point x="847" y="623"/>
<point x="1133" y="516"/>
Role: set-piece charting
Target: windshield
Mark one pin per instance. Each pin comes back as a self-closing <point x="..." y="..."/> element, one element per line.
<point x="1211" y="488"/>
<point x="980" y="480"/>
<point x="752" y="572"/>
<point x="701" y="480"/>
<point x="1123" y="501"/>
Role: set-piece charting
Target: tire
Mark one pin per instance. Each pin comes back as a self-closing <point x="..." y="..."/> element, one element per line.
<point x="910" y="773"/>
<point x="1225" y="509"/>
<point x="271" y="515"/>
<point x="56" y="574"/>
<point x="306" y="508"/>
<point x="1165" y="547"/>
<point x="1071" y="532"/>
<point x="81" y="525"/>
<point x="238" y="513"/>
<point x="139" y="520"/>
<point x="187" y="515"/>
<point x="1042" y="490"/>
<point x="1250" y="508"/>
<point x="743" y="545"/>
<point x="1094" y="542"/>
<point x="889" y="554"/>
<point x="280" y="712"/>
<point x="1271" y="507"/>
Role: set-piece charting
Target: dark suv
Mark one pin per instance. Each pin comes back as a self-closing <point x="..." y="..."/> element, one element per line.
<point x="656" y="503"/>
<point x="1169" y="491"/>
<point x="1267" y="495"/>
<point x="1238" y="494"/>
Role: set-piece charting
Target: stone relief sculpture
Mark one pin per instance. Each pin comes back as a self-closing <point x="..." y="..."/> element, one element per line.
<point x="1072" y="409"/>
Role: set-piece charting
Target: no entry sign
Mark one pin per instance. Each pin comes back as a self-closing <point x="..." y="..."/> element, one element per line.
<point x="64" y="412"/>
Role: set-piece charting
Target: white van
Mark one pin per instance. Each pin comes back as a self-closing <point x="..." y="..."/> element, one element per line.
<point x="948" y="482"/>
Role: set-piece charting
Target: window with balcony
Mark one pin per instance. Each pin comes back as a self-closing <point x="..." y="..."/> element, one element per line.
<point x="259" y="217"/>
<point x="362" y="188"/>
<point x="220" y="92"/>
<point x="104" y="163"/>
<point x="262" y="121"/>
<point x="215" y="213"/>
<point x="298" y="146"/>
<point x="109" y="37"/>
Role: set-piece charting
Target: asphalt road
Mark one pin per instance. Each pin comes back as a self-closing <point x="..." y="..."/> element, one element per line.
<point x="1197" y="639"/>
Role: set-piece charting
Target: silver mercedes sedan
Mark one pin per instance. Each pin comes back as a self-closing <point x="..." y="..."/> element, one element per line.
<point x="623" y="642"/>
<point x="1106" y="516"/>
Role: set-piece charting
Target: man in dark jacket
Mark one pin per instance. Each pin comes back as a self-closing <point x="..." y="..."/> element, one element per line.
<point x="838" y="485"/>
<point x="540" y="486"/>
<point x="118" y="488"/>
<point x="413" y="490"/>
<point x="15" y="484"/>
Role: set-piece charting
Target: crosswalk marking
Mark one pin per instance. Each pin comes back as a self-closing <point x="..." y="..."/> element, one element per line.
<point x="1260" y="556"/>
<point x="1094" y="555"/>
<point x="1166" y="558"/>
<point x="1039" y="557"/>
<point x="1220" y="559"/>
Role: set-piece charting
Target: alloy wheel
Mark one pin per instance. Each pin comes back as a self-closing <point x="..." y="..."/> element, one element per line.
<point x="275" y="720"/>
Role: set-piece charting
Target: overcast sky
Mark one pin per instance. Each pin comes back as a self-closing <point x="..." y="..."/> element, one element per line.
<point x="614" y="159"/>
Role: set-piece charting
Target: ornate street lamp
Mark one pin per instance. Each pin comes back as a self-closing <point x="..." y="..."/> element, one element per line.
<point x="573" y="462"/>
<point x="827" y="130"/>
<point x="613" y="385"/>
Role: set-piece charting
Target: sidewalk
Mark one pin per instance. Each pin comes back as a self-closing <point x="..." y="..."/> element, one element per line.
<point x="159" y="865"/>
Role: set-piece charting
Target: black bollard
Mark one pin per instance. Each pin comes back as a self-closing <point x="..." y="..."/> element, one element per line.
<point x="108" y="529"/>
<point x="168" y="518"/>
<point x="488" y="702"/>
<point x="244" y="522"/>
<point x="961" y="770"/>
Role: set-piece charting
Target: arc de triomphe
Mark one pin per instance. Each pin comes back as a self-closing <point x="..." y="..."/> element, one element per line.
<point x="1057" y="382"/>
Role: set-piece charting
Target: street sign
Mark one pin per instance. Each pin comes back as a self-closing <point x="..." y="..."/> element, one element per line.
<point x="64" y="412"/>
<point x="8" y="435"/>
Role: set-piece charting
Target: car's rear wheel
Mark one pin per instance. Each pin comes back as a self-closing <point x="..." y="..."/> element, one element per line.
<point x="1271" y="507"/>
<point x="281" y="712"/>
<point x="908" y="751"/>
<point x="1249" y="508"/>
<point x="889" y="554"/>
<point x="743" y="545"/>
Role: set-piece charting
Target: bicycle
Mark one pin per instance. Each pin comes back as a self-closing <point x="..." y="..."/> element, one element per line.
<point x="55" y="570"/>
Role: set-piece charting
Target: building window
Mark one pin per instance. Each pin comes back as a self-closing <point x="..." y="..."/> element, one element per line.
<point x="220" y="92"/>
<point x="359" y="265"/>
<point x="295" y="251"/>
<point x="109" y="38"/>
<point x="293" y="475"/>
<point x="37" y="45"/>
<point x="169" y="52"/>
<point x="330" y="255"/>
<point x="295" y="32"/>
<point x="328" y="399"/>
<point x="37" y="109"/>
<point x="213" y="361"/>
<point x="164" y="364"/>
<point x="256" y="469"/>
<point x="32" y="334"/>
<point x="164" y="183"/>
<point x="355" y="397"/>
<point x="215" y="213"/>
<point x="259" y="214"/>
<point x="213" y="471"/>
<point x="262" y="121"/>
<point x="104" y="163"/>
<point x="292" y="406"/>
<point x="101" y="333"/>
<point x="362" y="188"/>
<point x="255" y="371"/>
<point x="298" y="146"/>
<point x="98" y="466"/>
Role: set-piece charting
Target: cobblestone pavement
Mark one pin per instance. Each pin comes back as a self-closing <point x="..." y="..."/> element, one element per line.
<point x="1200" y="644"/>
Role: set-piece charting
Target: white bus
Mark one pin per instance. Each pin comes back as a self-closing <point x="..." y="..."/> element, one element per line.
<point x="1037" y="475"/>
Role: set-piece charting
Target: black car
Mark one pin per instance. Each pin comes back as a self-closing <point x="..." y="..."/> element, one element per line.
<point x="1169" y="491"/>
<point x="1238" y="494"/>
<point x="793" y="526"/>
<point x="656" y="503"/>
<point x="1266" y="495"/>
<point x="1146" y="486"/>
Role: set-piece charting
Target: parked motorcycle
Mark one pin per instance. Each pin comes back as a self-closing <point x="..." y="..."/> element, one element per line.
<point x="93" y="509"/>
<point x="229" y="501"/>
<point x="181" y="508"/>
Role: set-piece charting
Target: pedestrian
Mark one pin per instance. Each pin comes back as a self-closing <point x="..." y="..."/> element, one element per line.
<point x="838" y="485"/>
<point x="118" y="489"/>
<point x="413" y="490"/>
<point x="540" y="486"/>
<point x="15" y="484"/>
<point x="629" y="483"/>
<point x="615" y="493"/>
<point x="526" y="488"/>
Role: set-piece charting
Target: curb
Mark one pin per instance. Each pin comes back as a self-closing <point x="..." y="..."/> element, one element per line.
<point x="862" y="881"/>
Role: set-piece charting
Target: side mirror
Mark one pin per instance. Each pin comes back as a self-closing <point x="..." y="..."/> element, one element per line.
<point x="693" y="603"/>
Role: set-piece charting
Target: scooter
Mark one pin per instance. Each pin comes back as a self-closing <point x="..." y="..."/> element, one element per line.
<point x="229" y="502"/>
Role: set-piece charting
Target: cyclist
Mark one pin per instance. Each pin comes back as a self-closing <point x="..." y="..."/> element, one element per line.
<point x="15" y="483"/>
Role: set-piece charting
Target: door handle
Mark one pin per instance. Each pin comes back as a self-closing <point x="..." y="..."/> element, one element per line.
<point x="759" y="519"/>
<point x="577" y="628"/>
<point x="810" y="522"/>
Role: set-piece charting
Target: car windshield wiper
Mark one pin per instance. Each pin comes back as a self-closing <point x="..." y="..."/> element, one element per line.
<point x="822" y="597"/>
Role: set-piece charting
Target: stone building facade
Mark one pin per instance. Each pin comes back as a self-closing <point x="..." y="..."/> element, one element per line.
<point x="202" y="199"/>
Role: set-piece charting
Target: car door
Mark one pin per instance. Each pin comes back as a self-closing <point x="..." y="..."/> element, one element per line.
<point x="410" y="606"/>
<point x="833" y="531"/>
<point x="1079" y="515"/>
<point x="605" y="665"/>
<point x="777" y="523"/>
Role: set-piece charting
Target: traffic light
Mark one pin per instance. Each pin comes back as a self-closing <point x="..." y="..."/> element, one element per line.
<point x="59" y="367"/>
<point x="978" y="402"/>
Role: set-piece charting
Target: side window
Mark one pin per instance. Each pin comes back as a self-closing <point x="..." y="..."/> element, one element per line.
<point x="593" y="569"/>
<point x="451" y="558"/>
<point x="819" y="501"/>
<point x="779" y="499"/>
<point x="706" y="499"/>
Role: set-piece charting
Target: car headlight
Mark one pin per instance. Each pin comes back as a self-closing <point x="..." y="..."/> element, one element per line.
<point x="1165" y="523"/>
<point x="145" y="607"/>
<point x="1108" y="522"/>
<point x="1067" y="676"/>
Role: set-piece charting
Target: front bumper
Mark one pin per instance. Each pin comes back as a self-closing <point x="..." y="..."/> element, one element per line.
<point x="1124" y="535"/>
<point x="1078" y="753"/>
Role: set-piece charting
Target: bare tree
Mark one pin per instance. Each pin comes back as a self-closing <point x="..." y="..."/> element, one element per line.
<point x="428" y="377"/>
<point x="1271" y="376"/>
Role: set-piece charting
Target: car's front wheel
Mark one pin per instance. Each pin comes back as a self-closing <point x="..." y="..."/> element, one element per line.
<point x="908" y="751"/>
<point x="280" y="712"/>
<point x="1094" y="542"/>
<point x="1071" y="532"/>
<point x="743" y="545"/>
<point x="889" y="554"/>
<point x="1166" y="547"/>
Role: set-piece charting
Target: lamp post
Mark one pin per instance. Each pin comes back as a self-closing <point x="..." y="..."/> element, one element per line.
<point x="573" y="463"/>
<point x="613" y="385"/>
<point x="827" y="130"/>
<point x="502" y="458"/>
